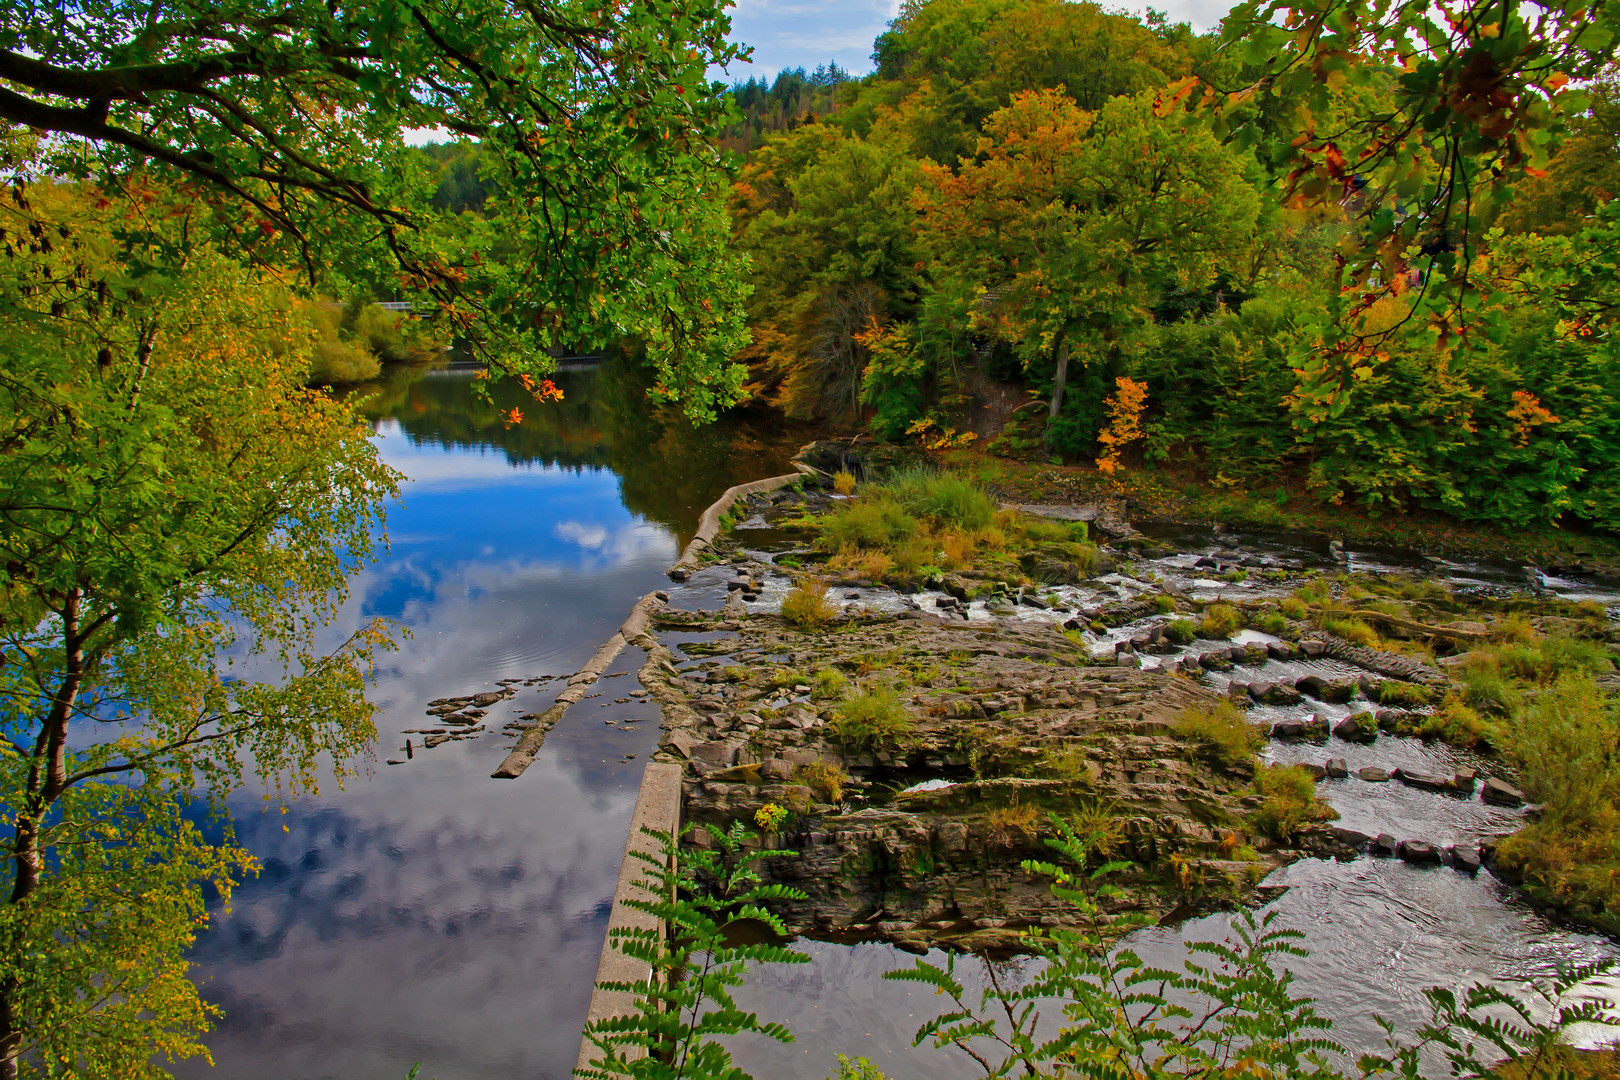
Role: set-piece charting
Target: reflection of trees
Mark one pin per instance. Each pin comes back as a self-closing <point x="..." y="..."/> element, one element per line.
<point x="668" y="469"/>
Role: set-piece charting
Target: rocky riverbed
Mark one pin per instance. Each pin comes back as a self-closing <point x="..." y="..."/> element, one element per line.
<point x="1006" y="701"/>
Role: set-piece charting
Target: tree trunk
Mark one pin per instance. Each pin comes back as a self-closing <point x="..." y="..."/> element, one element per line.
<point x="1060" y="379"/>
<point x="47" y="779"/>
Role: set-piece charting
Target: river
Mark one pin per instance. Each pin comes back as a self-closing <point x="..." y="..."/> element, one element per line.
<point x="425" y="912"/>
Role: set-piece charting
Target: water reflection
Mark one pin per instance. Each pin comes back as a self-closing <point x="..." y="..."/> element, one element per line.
<point x="429" y="913"/>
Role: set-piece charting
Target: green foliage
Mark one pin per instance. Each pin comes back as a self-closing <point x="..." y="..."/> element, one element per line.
<point x="859" y="1069"/>
<point x="1568" y="744"/>
<point x="1455" y="723"/>
<point x="1222" y="731"/>
<point x="870" y="718"/>
<point x="1351" y="629"/>
<point x="1289" y="801"/>
<point x="771" y="817"/>
<point x="1271" y="622"/>
<point x="177" y="505"/>
<point x="829" y="778"/>
<point x="1220" y="621"/>
<point x="946" y="499"/>
<point x="597" y="226"/>
<point x="828" y="683"/>
<point x="686" y="1007"/>
<point x="1181" y="631"/>
<point x="871" y="522"/>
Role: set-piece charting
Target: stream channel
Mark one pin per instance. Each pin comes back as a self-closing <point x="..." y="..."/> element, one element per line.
<point x="427" y="913"/>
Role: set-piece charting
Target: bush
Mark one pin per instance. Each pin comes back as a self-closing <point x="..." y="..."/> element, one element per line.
<point x="335" y="363"/>
<point x="1271" y="622"/>
<point x="1486" y="689"/>
<point x="1181" y="631"/>
<point x="1221" y="621"/>
<point x="870" y="718"/>
<point x="1289" y="801"/>
<point x="825" y="777"/>
<point x="872" y="522"/>
<point x="1294" y="607"/>
<point x="944" y="498"/>
<point x="1164" y="603"/>
<point x="1223" y="731"/>
<point x="828" y="683"/>
<point x="1543" y="661"/>
<point x="1568" y="744"/>
<point x="383" y="332"/>
<point x="844" y="482"/>
<point x="1454" y="723"/>
<point x="807" y="605"/>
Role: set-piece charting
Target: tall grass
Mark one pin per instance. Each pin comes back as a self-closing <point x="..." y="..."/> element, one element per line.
<point x="1288" y="801"/>
<point x="870" y="718"/>
<point x="1223" y="732"/>
<point x="945" y="499"/>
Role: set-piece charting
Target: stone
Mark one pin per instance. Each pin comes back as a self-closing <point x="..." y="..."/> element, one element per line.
<point x="1280" y="650"/>
<point x="1358" y="728"/>
<point x="1500" y="793"/>
<point x="1351" y="838"/>
<point x="1313" y="648"/>
<point x="1373" y="774"/>
<point x="1313" y="728"/>
<point x="714" y="753"/>
<point x="1316" y="771"/>
<point x="482" y="700"/>
<point x="1322" y="689"/>
<point x="1465" y="779"/>
<point x="1465" y="859"/>
<point x="1259" y="690"/>
<point x="1422" y="781"/>
<point x="1283" y="694"/>
<point x="1337" y="768"/>
<point x="1385" y="846"/>
<point x="1418" y="853"/>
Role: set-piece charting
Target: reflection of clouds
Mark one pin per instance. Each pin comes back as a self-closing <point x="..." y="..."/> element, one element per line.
<point x="438" y="467"/>
<point x="586" y="536"/>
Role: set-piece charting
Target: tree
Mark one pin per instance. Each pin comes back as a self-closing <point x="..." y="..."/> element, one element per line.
<point x="1477" y="94"/>
<point x="178" y="519"/>
<point x="1069" y="224"/>
<point x="594" y="120"/>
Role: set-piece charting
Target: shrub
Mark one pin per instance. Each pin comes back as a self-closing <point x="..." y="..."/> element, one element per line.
<point x="771" y="817"/>
<point x="1294" y="608"/>
<point x="844" y="482"/>
<point x="1568" y="744"/>
<point x="1223" y="731"/>
<point x="1543" y="661"/>
<point x="870" y="718"/>
<point x="1289" y="801"/>
<point x="1014" y="818"/>
<point x="1221" y="621"/>
<point x="1181" y="631"/>
<point x="1164" y="603"/>
<point x="1454" y="723"/>
<point x="826" y="777"/>
<point x="335" y="362"/>
<point x="945" y="498"/>
<point x="868" y="523"/>
<point x="857" y="565"/>
<point x="1271" y="622"/>
<point x="807" y="605"/>
<point x="1486" y="689"/>
<point x="828" y="683"/>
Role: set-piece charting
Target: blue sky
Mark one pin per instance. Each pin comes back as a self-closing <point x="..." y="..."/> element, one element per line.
<point x="805" y="33"/>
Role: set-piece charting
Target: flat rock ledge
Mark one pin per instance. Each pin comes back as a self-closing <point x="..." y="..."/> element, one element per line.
<point x="1008" y="723"/>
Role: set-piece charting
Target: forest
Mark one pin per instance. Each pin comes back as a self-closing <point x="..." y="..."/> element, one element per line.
<point x="1038" y="192"/>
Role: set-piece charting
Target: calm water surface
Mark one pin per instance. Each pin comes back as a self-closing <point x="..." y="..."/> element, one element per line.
<point x="426" y="912"/>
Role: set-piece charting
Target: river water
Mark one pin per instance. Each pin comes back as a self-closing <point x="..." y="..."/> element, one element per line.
<point x="427" y="913"/>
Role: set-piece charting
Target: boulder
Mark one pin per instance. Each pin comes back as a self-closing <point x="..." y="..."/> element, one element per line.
<point x="486" y="699"/>
<point x="1259" y="690"/>
<point x="1465" y="859"/>
<point x="1337" y="768"/>
<point x="1358" y="728"/>
<point x="1464" y="780"/>
<point x="1316" y="771"/>
<point x="1313" y="648"/>
<point x="714" y="753"/>
<point x="1280" y="650"/>
<point x="1422" y="781"/>
<point x="1418" y="853"/>
<point x="1385" y="846"/>
<point x="1314" y="727"/>
<point x="1351" y="838"/>
<point x="1334" y="690"/>
<point x="1373" y="774"/>
<point x="1500" y="793"/>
